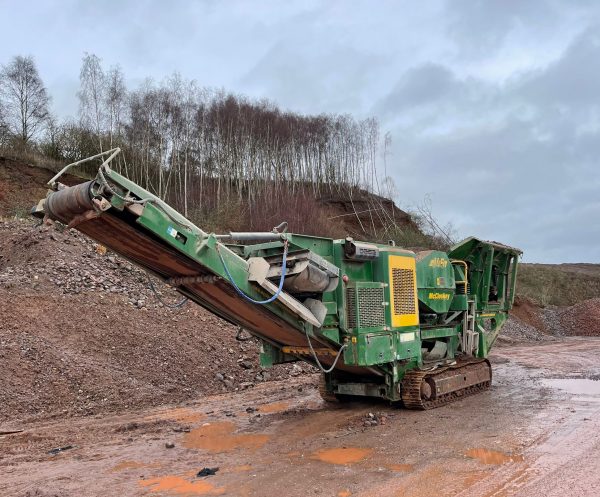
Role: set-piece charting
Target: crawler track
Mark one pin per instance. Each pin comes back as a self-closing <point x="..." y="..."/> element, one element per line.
<point x="420" y="389"/>
<point x="325" y="394"/>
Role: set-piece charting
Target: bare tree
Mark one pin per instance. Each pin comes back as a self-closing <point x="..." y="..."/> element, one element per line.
<point x="115" y="96"/>
<point x="208" y="152"/>
<point x="446" y="235"/>
<point x="50" y="145"/>
<point x="92" y="95"/>
<point x="3" y="126"/>
<point x="25" y="98"/>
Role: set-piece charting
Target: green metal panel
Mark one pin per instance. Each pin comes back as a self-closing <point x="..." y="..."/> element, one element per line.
<point x="459" y="303"/>
<point x="427" y="334"/>
<point x="408" y="345"/>
<point x="435" y="280"/>
<point x="375" y="348"/>
<point x="492" y="271"/>
<point x="489" y="325"/>
<point x="366" y="307"/>
<point x="331" y="333"/>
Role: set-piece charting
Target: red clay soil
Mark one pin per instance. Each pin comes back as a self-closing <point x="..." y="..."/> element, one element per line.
<point x="527" y="311"/>
<point x="19" y="184"/>
<point x="582" y="319"/>
<point x="22" y="185"/>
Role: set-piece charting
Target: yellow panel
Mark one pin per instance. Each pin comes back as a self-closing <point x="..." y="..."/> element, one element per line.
<point x="403" y="291"/>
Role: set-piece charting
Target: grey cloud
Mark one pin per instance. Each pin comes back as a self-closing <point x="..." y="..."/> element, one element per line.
<point x="524" y="155"/>
<point x="330" y="80"/>
<point x="481" y="27"/>
<point x="572" y="80"/>
<point x="423" y="85"/>
<point x="493" y="106"/>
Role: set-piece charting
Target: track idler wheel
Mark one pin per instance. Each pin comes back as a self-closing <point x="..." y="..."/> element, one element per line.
<point x="426" y="389"/>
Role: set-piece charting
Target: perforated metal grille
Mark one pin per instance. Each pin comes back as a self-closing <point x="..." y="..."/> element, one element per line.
<point x="351" y="307"/>
<point x="371" y="312"/>
<point x="404" y="291"/>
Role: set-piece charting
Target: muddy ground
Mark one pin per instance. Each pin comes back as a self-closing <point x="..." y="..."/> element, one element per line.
<point x="536" y="432"/>
<point x="141" y="397"/>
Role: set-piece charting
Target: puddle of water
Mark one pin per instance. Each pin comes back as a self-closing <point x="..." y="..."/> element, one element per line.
<point x="405" y="468"/>
<point x="344" y="455"/>
<point x="575" y="386"/>
<point x="274" y="407"/>
<point x="487" y="456"/>
<point x="180" y="486"/>
<point x="220" y="437"/>
<point x="344" y="493"/>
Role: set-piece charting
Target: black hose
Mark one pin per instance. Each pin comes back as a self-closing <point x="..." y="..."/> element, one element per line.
<point x="159" y="298"/>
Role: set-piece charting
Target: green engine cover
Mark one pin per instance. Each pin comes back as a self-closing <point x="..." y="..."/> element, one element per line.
<point x="435" y="281"/>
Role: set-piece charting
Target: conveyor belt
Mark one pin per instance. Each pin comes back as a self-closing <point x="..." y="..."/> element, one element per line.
<point x="119" y="232"/>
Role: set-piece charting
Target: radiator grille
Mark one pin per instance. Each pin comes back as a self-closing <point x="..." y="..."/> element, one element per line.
<point x="371" y="312"/>
<point x="403" y="281"/>
<point x="351" y="307"/>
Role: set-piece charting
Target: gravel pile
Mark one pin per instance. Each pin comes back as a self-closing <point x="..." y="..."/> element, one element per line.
<point x="65" y="261"/>
<point x="550" y="316"/>
<point x="81" y="333"/>
<point x="582" y="319"/>
<point x="516" y="330"/>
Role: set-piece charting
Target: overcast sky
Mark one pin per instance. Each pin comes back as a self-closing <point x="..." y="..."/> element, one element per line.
<point x="493" y="106"/>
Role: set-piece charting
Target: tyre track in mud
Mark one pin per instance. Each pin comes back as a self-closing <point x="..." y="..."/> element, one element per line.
<point x="525" y="436"/>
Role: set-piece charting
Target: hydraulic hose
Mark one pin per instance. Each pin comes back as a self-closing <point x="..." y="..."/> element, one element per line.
<point x="159" y="298"/>
<point x="314" y="354"/>
<point x="247" y="297"/>
<point x="261" y="302"/>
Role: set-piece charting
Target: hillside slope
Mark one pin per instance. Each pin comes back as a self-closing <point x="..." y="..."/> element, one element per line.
<point x="331" y="214"/>
<point x="559" y="284"/>
<point x="20" y="185"/>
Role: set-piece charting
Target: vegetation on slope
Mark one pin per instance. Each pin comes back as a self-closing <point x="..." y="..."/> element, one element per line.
<point x="559" y="284"/>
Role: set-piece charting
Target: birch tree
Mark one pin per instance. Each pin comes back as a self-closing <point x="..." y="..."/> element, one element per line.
<point x="25" y="99"/>
<point x="115" y="100"/>
<point x="91" y="95"/>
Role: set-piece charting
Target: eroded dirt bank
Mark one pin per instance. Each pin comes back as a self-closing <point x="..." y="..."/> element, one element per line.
<point x="537" y="432"/>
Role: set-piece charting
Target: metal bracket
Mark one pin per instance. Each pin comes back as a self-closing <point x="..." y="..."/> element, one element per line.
<point x="258" y="269"/>
<point x="112" y="153"/>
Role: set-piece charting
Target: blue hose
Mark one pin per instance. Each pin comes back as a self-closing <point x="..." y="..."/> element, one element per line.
<point x="247" y="297"/>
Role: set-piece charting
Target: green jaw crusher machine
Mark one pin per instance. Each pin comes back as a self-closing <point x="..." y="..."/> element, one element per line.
<point x="377" y="320"/>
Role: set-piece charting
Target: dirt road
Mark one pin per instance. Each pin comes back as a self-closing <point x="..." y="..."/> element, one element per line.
<point x="537" y="432"/>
